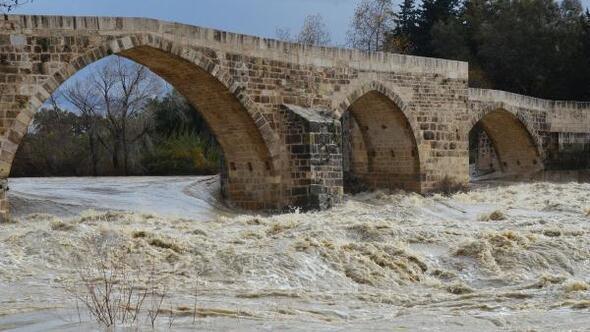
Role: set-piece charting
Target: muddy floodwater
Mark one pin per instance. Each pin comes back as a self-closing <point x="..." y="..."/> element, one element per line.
<point x="503" y="256"/>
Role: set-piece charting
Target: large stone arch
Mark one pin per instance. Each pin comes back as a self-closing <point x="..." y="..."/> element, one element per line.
<point x="251" y="147"/>
<point x="358" y="91"/>
<point x="383" y="144"/>
<point x="515" y="145"/>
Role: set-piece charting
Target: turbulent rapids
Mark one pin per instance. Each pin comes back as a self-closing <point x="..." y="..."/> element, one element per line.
<point x="499" y="257"/>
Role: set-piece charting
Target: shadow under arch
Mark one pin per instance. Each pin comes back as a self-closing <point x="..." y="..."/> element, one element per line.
<point x="250" y="146"/>
<point x="501" y="143"/>
<point x="379" y="145"/>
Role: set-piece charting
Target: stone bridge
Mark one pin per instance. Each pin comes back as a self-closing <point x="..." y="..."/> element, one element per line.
<point x="530" y="134"/>
<point x="280" y="110"/>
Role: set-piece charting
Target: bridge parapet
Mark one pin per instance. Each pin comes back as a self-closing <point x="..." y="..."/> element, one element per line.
<point x="255" y="46"/>
<point x="561" y="116"/>
<point x="518" y="100"/>
<point x="560" y="129"/>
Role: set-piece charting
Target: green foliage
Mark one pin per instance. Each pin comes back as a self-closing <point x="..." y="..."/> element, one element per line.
<point x="179" y="143"/>
<point x="185" y="154"/>
<point x="448" y="40"/>
<point x="406" y="23"/>
<point x="182" y="139"/>
<point x="406" y="19"/>
<point x="38" y="153"/>
<point x="173" y="114"/>
<point x="432" y="12"/>
<point x="534" y="47"/>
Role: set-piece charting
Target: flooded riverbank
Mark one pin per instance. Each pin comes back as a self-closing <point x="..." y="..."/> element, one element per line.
<point x="500" y="257"/>
<point x="173" y="196"/>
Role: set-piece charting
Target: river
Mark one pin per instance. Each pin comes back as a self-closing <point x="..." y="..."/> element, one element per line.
<point x="503" y="256"/>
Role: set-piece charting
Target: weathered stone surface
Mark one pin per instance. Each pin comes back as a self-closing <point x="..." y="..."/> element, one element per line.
<point x="274" y="106"/>
<point x="531" y="134"/>
<point x="313" y="139"/>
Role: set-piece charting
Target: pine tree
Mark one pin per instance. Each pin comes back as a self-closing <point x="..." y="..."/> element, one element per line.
<point x="400" y="39"/>
<point x="405" y="19"/>
<point x="431" y="12"/>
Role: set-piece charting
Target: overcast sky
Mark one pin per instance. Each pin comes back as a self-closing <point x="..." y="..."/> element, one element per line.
<point x="254" y="17"/>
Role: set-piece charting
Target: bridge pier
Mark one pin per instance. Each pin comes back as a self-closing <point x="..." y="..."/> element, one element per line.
<point x="275" y="107"/>
<point x="313" y="141"/>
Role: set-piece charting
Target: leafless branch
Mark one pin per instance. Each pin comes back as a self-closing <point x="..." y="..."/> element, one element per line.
<point x="6" y="6"/>
<point x="371" y="21"/>
<point x="313" y="32"/>
<point x="109" y="99"/>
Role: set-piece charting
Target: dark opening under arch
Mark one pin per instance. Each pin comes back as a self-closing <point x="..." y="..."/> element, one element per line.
<point x="380" y="148"/>
<point x="248" y="164"/>
<point x="500" y="144"/>
<point x="249" y="170"/>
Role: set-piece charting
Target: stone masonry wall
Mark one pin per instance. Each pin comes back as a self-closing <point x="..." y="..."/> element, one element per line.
<point x="559" y="129"/>
<point x="313" y="141"/>
<point x="389" y="146"/>
<point x="241" y="85"/>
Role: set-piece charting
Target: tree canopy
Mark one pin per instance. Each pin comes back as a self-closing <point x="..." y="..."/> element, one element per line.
<point x="159" y="135"/>
<point x="534" y="47"/>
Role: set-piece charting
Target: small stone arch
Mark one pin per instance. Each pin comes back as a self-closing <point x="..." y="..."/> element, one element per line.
<point x="524" y="120"/>
<point x="383" y="149"/>
<point x="252" y="192"/>
<point x="516" y="146"/>
<point x="377" y="86"/>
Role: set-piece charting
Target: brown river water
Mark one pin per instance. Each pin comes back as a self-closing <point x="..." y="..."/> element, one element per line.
<point x="501" y="257"/>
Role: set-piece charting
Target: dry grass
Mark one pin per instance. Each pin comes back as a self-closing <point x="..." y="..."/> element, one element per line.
<point x="8" y="220"/>
<point x="61" y="226"/>
<point x="200" y="232"/>
<point x="576" y="286"/>
<point x="117" y="292"/>
<point x="493" y="216"/>
<point x="552" y="232"/>
<point x="108" y="216"/>
<point x="158" y="242"/>
<point x="139" y="234"/>
<point x="165" y="244"/>
<point x="459" y="288"/>
<point x="254" y="222"/>
<point x="448" y="186"/>
<point x="280" y="227"/>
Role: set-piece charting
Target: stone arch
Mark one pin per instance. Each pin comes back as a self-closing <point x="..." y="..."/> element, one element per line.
<point x="514" y="149"/>
<point x="251" y="147"/>
<point x="377" y="86"/>
<point x="383" y="150"/>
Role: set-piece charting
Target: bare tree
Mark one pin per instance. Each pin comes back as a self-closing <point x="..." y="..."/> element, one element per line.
<point x="7" y="6"/>
<point x="87" y="102"/>
<point x="125" y="88"/>
<point x="371" y="21"/>
<point x="113" y="98"/>
<point x="114" y="288"/>
<point x="314" y="32"/>
<point x="284" y="34"/>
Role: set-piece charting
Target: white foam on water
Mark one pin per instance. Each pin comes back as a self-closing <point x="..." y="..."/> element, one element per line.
<point x="511" y="256"/>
